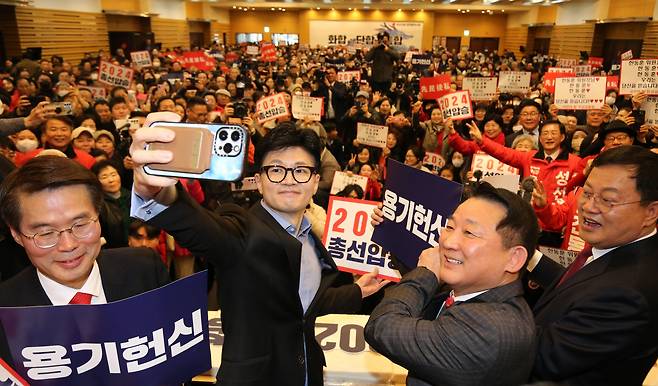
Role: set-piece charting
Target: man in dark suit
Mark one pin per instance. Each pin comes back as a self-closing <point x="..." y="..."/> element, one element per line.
<point x="337" y="99"/>
<point x="51" y="206"/>
<point x="275" y="276"/>
<point x="598" y="321"/>
<point x="529" y="119"/>
<point x="482" y="333"/>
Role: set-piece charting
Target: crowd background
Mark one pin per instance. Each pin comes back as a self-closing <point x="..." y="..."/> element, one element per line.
<point x="523" y="130"/>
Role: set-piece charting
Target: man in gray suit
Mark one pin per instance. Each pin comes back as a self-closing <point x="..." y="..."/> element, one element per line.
<point x="483" y="333"/>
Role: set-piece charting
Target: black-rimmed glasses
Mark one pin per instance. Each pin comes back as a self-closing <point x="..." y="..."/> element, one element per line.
<point x="277" y="173"/>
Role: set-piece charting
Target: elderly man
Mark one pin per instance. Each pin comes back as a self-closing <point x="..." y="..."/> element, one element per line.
<point x="482" y="333"/>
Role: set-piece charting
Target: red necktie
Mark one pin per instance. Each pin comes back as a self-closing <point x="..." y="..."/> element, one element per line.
<point x="577" y="264"/>
<point x="81" y="298"/>
<point x="450" y="300"/>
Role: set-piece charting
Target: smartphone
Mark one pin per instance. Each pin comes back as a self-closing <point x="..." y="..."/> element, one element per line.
<point x="61" y="108"/>
<point x="205" y="151"/>
<point x="640" y="116"/>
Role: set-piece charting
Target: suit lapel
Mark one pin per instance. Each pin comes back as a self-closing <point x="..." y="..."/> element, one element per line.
<point x="35" y="289"/>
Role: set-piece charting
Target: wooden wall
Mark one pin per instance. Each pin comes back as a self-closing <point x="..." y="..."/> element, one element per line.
<point x="514" y="38"/>
<point x="650" y="44"/>
<point x="10" y="30"/>
<point x="220" y="29"/>
<point x="69" y="34"/>
<point x="171" y="33"/>
<point x="568" y="40"/>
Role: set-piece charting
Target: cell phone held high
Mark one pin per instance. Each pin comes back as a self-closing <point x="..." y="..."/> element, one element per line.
<point x="204" y="151"/>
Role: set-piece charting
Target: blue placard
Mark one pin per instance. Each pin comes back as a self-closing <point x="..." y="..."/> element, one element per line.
<point x="416" y="206"/>
<point x="157" y="338"/>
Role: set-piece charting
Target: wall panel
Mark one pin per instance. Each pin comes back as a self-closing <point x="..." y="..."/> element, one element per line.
<point x="171" y="33"/>
<point x="568" y="40"/>
<point x="650" y="44"/>
<point x="514" y="38"/>
<point x="10" y="30"/>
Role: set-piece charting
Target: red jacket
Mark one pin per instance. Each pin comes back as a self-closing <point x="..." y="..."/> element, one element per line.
<point x="81" y="157"/>
<point x="558" y="216"/>
<point x="468" y="148"/>
<point x="555" y="176"/>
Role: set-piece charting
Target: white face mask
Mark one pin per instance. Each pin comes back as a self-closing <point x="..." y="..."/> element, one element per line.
<point x="94" y="76"/>
<point x="457" y="162"/>
<point x="26" y="145"/>
<point x="610" y="100"/>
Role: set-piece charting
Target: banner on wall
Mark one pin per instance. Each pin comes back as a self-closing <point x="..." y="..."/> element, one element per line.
<point x="404" y="35"/>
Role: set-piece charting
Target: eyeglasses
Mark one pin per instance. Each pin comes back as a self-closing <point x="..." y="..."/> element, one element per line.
<point x="613" y="138"/>
<point x="276" y="173"/>
<point x="48" y="239"/>
<point x="605" y="205"/>
<point x="532" y="114"/>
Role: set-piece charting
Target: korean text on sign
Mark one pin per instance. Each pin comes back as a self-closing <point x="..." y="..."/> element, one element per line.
<point x="114" y="75"/>
<point x="347" y="237"/>
<point x="347" y="76"/>
<point x="583" y="70"/>
<point x="141" y="58"/>
<point x="650" y="106"/>
<point x="514" y="81"/>
<point x="435" y="87"/>
<point x="342" y="179"/>
<point x="307" y="107"/>
<point x="549" y="78"/>
<point x="371" y="135"/>
<point x="482" y="89"/>
<point x="639" y="75"/>
<point x="580" y="93"/>
<point x="456" y="105"/>
<point x="271" y="107"/>
<point x="561" y="256"/>
<point x="490" y="166"/>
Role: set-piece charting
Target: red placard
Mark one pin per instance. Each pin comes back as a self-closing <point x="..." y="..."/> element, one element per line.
<point x="268" y="52"/>
<point x="595" y="62"/>
<point x="435" y="87"/>
<point x="549" y="79"/>
<point x="200" y="60"/>
<point x="612" y="81"/>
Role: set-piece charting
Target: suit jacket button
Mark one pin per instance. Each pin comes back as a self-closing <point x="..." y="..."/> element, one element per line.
<point x="301" y="360"/>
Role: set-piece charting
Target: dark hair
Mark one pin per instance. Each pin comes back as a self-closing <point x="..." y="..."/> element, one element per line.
<point x="519" y="226"/>
<point x="563" y="130"/>
<point x="100" y="102"/>
<point x="61" y="118"/>
<point x="286" y="135"/>
<point x="152" y="232"/>
<point x="418" y="151"/>
<point x="100" y="165"/>
<point x="196" y="101"/>
<point x="349" y="189"/>
<point x="90" y="115"/>
<point x="493" y="117"/>
<point x="529" y="102"/>
<point x="644" y="164"/>
<point x="115" y="101"/>
<point x="44" y="173"/>
<point x="162" y="99"/>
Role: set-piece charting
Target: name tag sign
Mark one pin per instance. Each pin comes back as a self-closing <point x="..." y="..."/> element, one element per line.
<point x="561" y="256"/>
<point x="271" y="107"/>
<point x="371" y="135"/>
<point x="580" y="93"/>
<point x="158" y="337"/>
<point x="627" y="55"/>
<point x="514" y="81"/>
<point x="435" y="86"/>
<point x="583" y="70"/>
<point x="560" y="69"/>
<point x="413" y="217"/>
<point x="307" y="107"/>
<point x="114" y="75"/>
<point x="141" y="59"/>
<point x="639" y="75"/>
<point x="421" y="61"/>
<point x="490" y="166"/>
<point x="347" y="76"/>
<point x="342" y="179"/>
<point x="456" y="105"/>
<point x="482" y="89"/>
<point x="347" y="237"/>
<point x="650" y="106"/>
<point x="563" y="62"/>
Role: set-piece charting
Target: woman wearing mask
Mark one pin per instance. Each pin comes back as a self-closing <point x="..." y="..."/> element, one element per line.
<point x="25" y="141"/>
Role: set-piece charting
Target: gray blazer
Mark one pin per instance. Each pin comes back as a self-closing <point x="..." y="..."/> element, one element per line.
<point x="487" y="340"/>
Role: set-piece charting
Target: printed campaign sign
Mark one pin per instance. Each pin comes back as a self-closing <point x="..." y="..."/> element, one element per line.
<point x="549" y="78"/>
<point x="563" y="62"/>
<point x="456" y="105"/>
<point x="347" y="76"/>
<point x="371" y="135"/>
<point x="408" y="54"/>
<point x="482" y="89"/>
<point x="421" y="61"/>
<point x="413" y="217"/>
<point x="307" y="107"/>
<point x="560" y="69"/>
<point x="583" y="70"/>
<point x="141" y="59"/>
<point x="650" y="106"/>
<point x="114" y="75"/>
<point x="627" y="55"/>
<point x="639" y="75"/>
<point x="252" y="50"/>
<point x="268" y="52"/>
<point x="435" y="86"/>
<point x="342" y="179"/>
<point x="595" y="62"/>
<point x="405" y="35"/>
<point x="514" y="81"/>
<point x="490" y="166"/>
<point x="158" y="337"/>
<point x="582" y="93"/>
<point x="347" y="235"/>
<point x="561" y="256"/>
<point x="8" y="376"/>
<point x="97" y="92"/>
<point x="612" y="81"/>
<point x="197" y="59"/>
<point x="435" y="161"/>
<point x="271" y="107"/>
<point x="504" y="181"/>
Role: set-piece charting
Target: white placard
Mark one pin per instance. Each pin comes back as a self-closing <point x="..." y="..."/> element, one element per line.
<point x="561" y="256"/>
<point x="582" y="93"/>
<point x="404" y="35"/>
<point x="650" y="106"/>
<point x="514" y="81"/>
<point x="583" y="70"/>
<point x="560" y="69"/>
<point x="456" y="105"/>
<point x="271" y="107"/>
<point x="490" y="166"/>
<point x="639" y="75"/>
<point x="627" y="55"/>
<point x="347" y="237"/>
<point x="347" y="76"/>
<point x="504" y="181"/>
<point x="97" y="92"/>
<point x="114" y="75"/>
<point x="482" y="89"/>
<point x="307" y="107"/>
<point x="141" y="59"/>
<point x="342" y="179"/>
<point x="371" y="135"/>
<point x="562" y="62"/>
<point x="252" y="50"/>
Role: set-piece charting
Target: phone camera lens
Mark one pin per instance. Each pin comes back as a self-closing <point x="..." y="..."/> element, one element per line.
<point x="235" y="136"/>
<point x="58" y="110"/>
<point x="228" y="148"/>
<point x="223" y="135"/>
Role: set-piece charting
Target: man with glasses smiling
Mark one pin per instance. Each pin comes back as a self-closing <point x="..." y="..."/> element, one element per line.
<point x="274" y="275"/>
<point x="529" y="119"/>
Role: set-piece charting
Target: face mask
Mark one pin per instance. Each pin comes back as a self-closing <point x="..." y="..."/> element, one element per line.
<point x="609" y="100"/>
<point x="156" y="63"/>
<point x="94" y="76"/>
<point x="575" y="143"/>
<point x="457" y="162"/>
<point x="26" y="145"/>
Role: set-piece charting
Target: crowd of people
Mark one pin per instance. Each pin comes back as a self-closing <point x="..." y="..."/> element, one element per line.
<point x="557" y="152"/>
